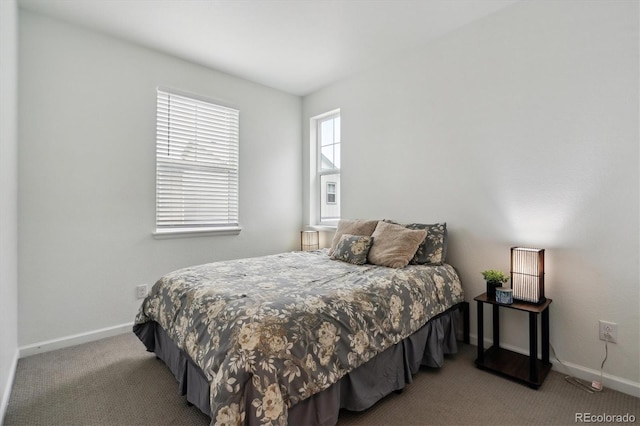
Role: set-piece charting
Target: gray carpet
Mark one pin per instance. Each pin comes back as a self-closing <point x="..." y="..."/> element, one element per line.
<point x="115" y="382"/>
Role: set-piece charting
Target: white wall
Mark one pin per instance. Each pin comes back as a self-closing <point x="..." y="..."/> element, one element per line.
<point x="87" y="176"/>
<point x="521" y="128"/>
<point x="8" y="199"/>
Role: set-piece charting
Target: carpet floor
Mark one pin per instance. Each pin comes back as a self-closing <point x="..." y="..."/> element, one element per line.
<point x="114" y="381"/>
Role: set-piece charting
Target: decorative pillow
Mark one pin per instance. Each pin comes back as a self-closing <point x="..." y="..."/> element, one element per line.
<point x="394" y="245"/>
<point x="433" y="250"/>
<point x="353" y="249"/>
<point x="353" y="227"/>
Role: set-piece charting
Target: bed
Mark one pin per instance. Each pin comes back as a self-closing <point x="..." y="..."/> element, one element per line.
<point x="292" y="338"/>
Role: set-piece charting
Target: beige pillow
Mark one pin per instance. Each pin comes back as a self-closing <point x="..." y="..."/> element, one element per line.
<point x="394" y="245"/>
<point x="353" y="227"/>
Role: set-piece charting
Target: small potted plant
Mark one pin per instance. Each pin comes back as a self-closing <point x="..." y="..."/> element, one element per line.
<point x="494" y="279"/>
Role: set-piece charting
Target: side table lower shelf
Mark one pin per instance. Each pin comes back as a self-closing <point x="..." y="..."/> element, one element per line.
<point x="513" y="365"/>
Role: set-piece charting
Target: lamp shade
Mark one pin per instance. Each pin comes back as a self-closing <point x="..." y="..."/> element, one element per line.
<point x="309" y="240"/>
<point x="527" y="274"/>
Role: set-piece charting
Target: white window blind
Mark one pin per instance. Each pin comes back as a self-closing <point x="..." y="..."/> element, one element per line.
<point x="196" y="164"/>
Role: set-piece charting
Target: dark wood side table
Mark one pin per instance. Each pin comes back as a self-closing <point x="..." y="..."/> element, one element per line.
<point x="526" y="369"/>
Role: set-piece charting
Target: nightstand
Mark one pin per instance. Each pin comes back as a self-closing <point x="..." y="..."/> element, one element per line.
<point x="526" y="369"/>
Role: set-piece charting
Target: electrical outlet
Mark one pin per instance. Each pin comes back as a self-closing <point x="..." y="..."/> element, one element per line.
<point x="141" y="291"/>
<point x="608" y="331"/>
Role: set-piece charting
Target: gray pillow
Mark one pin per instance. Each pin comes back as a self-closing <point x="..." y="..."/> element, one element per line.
<point x="352" y="249"/>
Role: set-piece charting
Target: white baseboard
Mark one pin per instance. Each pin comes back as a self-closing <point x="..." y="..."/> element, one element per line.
<point x="6" y="392"/>
<point x="75" y="339"/>
<point x="608" y="381"/>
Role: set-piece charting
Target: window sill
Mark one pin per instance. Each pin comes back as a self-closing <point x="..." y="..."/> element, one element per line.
<point x="195" y="232"/>
<point x="323" y="228"/>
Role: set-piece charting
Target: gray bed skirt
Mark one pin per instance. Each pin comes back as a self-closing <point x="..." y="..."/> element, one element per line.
<point x="389" y="371"/>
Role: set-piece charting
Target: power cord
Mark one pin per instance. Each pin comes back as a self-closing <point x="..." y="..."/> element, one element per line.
<point x="594" y="386"/>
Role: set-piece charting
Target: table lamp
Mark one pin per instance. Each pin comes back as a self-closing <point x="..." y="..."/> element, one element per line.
<point x="527" y="274"/>
<point x="309" y="240"/>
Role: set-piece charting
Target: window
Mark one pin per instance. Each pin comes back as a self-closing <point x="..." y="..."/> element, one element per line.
<point x="328" y="167"/>
<point x="331" y="192"/>
<point x="196" y="165"/>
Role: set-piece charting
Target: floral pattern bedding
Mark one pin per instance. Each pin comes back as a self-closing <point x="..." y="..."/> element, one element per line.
<point x="290" y="325"/>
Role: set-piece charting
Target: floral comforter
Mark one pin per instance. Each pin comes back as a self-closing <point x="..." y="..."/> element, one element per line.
<point x="290" y="325"/>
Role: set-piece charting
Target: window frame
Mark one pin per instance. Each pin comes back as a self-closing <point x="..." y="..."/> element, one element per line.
<point x="213" y="169"/>
<point x="318" y="172"/>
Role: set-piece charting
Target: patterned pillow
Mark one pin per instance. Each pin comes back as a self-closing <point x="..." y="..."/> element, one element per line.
<point x="353" y="227"/>
<point x="433" y="250"/>
<point x="352" y="249"/>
